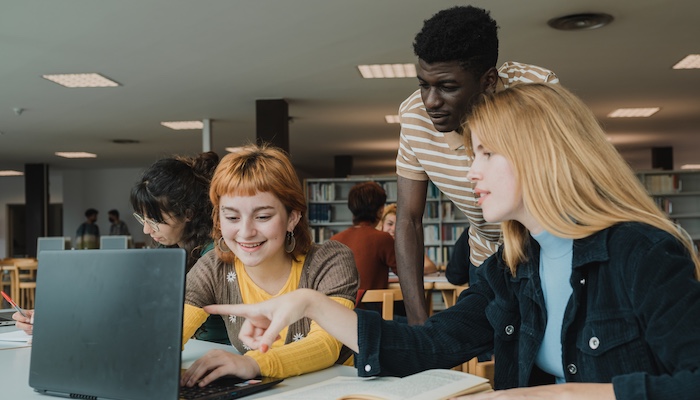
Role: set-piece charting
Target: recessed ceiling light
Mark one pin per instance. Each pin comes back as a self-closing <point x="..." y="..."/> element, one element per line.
<point x="633" y="112"/>
<point x="392" y="119"/>
<point x="75" y="154"/>
<point x="81" y="80"/>
<point x="691" y="61"/>
<point x="125" y="141"/>
<point x="234" y="149"/>
<point x="181" y="125"/>
<point x="387" y="71"/>
<point x="690" y="166"/>
<point x="577" y="22"/>
<point x="9" y="172"/>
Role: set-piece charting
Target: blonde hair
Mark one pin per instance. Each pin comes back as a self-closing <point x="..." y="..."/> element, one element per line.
<point x="573" y="181"/>
<point x="388" y="210"/>
<point x="256" y="169"/>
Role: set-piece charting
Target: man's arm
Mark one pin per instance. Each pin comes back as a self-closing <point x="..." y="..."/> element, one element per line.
<point x="409" y="246"/>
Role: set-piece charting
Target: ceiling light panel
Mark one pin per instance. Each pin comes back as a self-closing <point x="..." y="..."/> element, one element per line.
<point x="75" y="154"/>
<point x="375" y="71"/>
<point x="690" y="166"/>
<point x="634" y="112"/>
<point x="691" y="61"/>
<point x="81" y="80"/>
<point x="183" y="125"/>
<point x="10" y="172"/>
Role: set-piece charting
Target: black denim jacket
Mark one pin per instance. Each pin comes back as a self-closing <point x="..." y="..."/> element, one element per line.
<point x="633" y="320"/>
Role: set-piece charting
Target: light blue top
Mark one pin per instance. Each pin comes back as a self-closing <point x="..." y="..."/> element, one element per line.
<point x="555" y="272"/>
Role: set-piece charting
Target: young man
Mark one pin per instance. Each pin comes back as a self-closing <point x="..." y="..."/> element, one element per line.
<point x="457" y="51"/>
<point x="88" y="234"/>
<point x="118" y="226"/>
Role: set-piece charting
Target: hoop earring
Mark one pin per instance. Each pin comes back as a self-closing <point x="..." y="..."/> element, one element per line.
<point x="220" y="244"/>
<point x="289" y="242"/>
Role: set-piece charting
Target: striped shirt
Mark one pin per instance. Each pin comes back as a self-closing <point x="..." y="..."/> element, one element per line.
<point x="426" y="154"/>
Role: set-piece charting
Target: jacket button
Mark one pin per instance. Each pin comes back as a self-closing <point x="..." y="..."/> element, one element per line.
<point x="368" y="368"/>
<point x="582" y="281"/>
<point x="509" y="330"/>
<point x="593" y="343"/>
<point x="572" y="369"/>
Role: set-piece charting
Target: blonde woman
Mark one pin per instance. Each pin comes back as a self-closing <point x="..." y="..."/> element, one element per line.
<point x="593" y="288"/>
<point x="264" y="250"/>
<point x="388" y="224"/>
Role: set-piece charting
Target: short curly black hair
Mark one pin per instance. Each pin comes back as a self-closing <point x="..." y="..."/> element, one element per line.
<point x="465" y="34"/>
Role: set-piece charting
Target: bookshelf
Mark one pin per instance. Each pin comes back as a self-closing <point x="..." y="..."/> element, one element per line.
<point x="677" y="193"/>
<point x="328" y="211"/>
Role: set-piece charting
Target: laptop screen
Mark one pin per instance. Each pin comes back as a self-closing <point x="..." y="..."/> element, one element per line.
<point x="108" y="323"/>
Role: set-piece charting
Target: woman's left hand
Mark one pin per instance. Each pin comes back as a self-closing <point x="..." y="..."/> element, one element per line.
<point x="217" y="363"/>
<point x="565" y="391"/>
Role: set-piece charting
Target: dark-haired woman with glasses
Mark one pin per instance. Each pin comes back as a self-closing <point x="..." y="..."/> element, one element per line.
<point x="171" y="201"/>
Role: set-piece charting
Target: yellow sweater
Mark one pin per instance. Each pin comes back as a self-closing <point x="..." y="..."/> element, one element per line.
<point x="315" y="351"/>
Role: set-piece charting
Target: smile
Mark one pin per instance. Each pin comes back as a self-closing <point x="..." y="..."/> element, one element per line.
<point x="250" y="245"/>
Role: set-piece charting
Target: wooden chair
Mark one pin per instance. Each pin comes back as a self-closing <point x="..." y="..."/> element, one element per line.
<point x="7" y="283"/>
<point x="25" y="282"/>
<point x="385" y="296"/>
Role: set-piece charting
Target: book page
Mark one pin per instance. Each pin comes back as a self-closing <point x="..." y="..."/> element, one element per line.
<point x="335" y="388"/>
<point x="431" y="385"/>
<point x="426" y="385"/>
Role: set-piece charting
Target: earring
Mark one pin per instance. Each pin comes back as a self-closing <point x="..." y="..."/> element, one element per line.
<point x="289" y="242"/>
<point x="221" y="244"/>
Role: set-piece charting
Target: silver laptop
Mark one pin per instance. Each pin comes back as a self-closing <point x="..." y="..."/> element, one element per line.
<point x="6" y="317"/>
<point x="108" y="325"/>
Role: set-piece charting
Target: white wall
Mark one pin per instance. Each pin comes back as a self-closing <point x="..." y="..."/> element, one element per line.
<point x="78" y="190"/>
<point x="102" y="190"/>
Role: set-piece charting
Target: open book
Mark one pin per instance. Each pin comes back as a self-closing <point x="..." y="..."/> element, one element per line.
<point x="434" y="384"/>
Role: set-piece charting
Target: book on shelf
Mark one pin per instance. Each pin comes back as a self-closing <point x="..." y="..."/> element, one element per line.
<point x="434" y="384"/>
<point x="665" y="183"/>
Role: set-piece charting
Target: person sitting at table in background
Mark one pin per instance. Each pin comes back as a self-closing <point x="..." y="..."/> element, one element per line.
<point x="459" y="270"/>
<point x="263" y="250"/>
<point x="373" y="250"/>
<point x="593" y="288"/>
<point x="87" y="236"/>
<point x="171" y="201"/>
<point x="117" y="227"/>
<point x="388" y="225"/>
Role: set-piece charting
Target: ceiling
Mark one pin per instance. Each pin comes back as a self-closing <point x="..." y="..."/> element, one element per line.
<point x="190" y="60"/>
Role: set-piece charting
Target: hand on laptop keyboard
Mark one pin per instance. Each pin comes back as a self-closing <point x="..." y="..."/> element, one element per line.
<point x="217" y="363"/>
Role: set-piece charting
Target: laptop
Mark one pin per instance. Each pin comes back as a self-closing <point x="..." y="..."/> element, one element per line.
<point x="6" y="317"/>
<point x="108" y="325"/>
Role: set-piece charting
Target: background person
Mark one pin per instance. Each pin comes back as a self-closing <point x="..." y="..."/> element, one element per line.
<point x="264" y="250"/>
<point x="457" y="50"/>
<point x="388" y="225"/>
<point x="117" y="227"/>
<point x="87" y="236"/>
<point x="594" y="287"/>
<point x="373" y="250"/>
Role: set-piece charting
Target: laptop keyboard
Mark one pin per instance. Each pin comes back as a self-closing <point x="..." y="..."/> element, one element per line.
<point x="222" y="388"/>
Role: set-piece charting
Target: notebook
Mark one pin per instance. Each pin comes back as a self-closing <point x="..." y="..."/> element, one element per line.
<point x="108" y="325"/>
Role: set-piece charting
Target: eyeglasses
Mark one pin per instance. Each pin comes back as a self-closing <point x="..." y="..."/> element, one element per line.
<point x="143" y="220"/>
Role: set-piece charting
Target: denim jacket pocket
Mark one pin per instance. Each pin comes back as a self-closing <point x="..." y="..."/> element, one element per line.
<point x="601" y="336"/>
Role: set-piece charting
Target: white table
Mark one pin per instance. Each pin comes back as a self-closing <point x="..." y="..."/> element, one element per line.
<point x="15" y="358"/>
